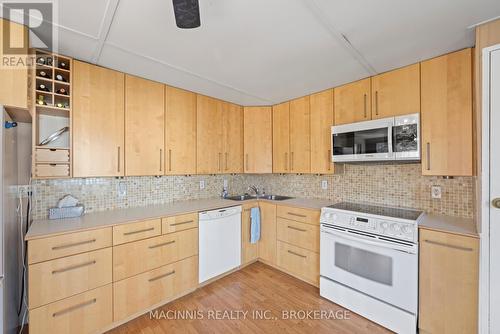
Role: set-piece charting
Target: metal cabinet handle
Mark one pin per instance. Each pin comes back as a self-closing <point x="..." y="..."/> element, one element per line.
<point x="182" y="223"/>
<point x="246" y="163"/>
<point x="364" y="101"/>
<point x="219" y="162"/>
<point x="139" y="231"/>
<point x="162" y="244"/>
<point x="328" y="160"/>
<point x="296" y="228"/>
<point x="161" y="159"/>
<point x="437" y="243"/>
<point x="161" y="276"/>
<point x="74" y="244"/>
<point x="73" y="308"/>
<point x="119" y="159"/>
<point x="376" y="103"/>
<point x="291" y="163"/>
<point x="296" y="214"/>
<point x="226" y="156"/>
<point x="169" y="160"/>
<point x="297" y="254"/>
<point x="286" y="160"/>
<point x="496" y="203"/>
<point x="86" y="264"/>
<point x="428" y="156"/>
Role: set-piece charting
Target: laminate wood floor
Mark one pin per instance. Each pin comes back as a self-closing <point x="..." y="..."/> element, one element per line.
<point x="261" y="291"/>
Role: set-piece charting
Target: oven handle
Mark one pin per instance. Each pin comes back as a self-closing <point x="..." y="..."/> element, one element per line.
<point x="385" y="244"/>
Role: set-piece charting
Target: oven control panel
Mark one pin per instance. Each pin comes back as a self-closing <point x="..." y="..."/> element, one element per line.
<point x="380" y="226"/>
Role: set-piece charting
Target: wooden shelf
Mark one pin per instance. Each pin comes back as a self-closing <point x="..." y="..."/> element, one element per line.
<point x="53" y="111"/>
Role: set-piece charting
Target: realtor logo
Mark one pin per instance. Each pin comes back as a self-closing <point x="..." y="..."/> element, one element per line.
<point x="38" y="16"/>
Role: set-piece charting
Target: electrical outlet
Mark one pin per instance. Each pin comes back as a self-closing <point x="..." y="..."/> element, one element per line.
<point x="436" y="192"/>
<point x="324" y="184"/>
<point x="122" y="189"/>
<point x="202" y="184"/>
<point x="225" y="183"/>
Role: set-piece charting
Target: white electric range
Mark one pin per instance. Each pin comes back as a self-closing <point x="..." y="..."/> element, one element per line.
<point x="369" y="262"/>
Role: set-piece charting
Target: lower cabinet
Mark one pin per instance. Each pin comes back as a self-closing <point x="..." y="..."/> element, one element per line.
<point x="267" y="242"/>
<point x="448" y="279"/>
<point x="249" y="251"/>
<point x="299" y="262"/>
<point x="141" y="292"/>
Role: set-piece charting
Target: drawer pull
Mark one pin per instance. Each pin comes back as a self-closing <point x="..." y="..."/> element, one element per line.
<point x="161" y="276"/>
<point x="75" y="307"/>
<point x="74" y="244"/>
<point x="182" y="223"/>
<point x="296" y="228"/>
<point x="297" y="254"/>
<point x="58" y="271"/>
<point x="296" y="215"/>
<point x="163" y="244"/>
<point x="467" y="249"/>
<point x="139" y="231"/>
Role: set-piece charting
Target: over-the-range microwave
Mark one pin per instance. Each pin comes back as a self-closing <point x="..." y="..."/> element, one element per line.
<point x="386" y="139"/>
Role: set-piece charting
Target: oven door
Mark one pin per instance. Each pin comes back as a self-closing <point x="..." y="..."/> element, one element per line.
<point x="406" y="137"/>
<point x="384" y="270"/>
<point x="363" y="141"/>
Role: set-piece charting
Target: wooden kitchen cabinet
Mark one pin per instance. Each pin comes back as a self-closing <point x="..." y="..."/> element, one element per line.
<point x="353" y="102"/>
<point x="321" y="123"/>
<point x="281" y="138"/>
<point x="208" y="135"/>
<point x="300" y="135"/>
<point x="249" y="251"/>
<point x="258" y="140"/>
<point x="180" y="131"/>
<point x="144" y="127"/>
<point x="447" y="115"/>
<point x="98" y="121"/>
<point x="267" y="242"/>
<point x="232" y="137"/>
<point x="448" y="291"/>
<point x="396" y="92"/>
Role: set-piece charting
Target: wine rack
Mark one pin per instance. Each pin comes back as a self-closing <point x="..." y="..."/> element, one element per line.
<point x="51" y="110"/>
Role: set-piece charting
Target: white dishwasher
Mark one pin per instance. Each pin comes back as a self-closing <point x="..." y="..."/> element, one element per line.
<point x="219" y="242"/>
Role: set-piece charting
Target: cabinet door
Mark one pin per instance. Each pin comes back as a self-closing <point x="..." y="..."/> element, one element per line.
<point x="249" y="251"/>
<point x="144" y="126"/>
<point x="268" y="237"/>
<point x="300" y="135"/>
<point x="208" y="135"/>
<point x="14" y="79"/>
<point x="232" y="137"/>
<point x="448" y="293"/>
<point x="447" y="115"/>
<point x="396" y="92"/>
<point x="281" y="138"/>
<point x="98" y="121"/>
<point x="180" y="132"/>
<point x="258" y="140"/>
<point x="321" y="124"/>
<point x="353" y="102"/>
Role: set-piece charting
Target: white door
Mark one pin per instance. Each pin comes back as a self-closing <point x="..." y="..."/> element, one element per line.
<point x="494" y="191"/>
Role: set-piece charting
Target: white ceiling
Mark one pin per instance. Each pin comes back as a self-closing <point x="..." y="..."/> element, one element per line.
<point x="261" y="52"/>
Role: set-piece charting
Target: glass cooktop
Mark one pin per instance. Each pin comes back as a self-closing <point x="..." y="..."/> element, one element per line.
<point x="408" y="214"/>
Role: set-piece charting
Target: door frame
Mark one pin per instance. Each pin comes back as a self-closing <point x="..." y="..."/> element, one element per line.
<point x="484" y="179"/>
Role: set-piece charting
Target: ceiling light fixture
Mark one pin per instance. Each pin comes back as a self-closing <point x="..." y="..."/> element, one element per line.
<point x="187" y="13"/>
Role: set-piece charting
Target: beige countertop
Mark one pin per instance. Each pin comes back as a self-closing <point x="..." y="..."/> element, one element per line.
<point x="45" y="227"/>
<point x="448" y="224"/>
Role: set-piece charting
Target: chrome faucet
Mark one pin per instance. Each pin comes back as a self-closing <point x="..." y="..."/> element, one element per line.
<point x="255" y="189"/>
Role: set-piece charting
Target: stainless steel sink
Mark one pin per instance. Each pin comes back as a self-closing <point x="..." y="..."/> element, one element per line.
<point x="275" y="197"/>
<point x="241" y="197"/>
<point x="267" y="197"/>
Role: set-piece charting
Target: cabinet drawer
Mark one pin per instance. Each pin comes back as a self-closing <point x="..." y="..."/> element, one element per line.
<point x="51" y="170"/>
<point x="299" y="214"/>
<point x="88" y="312"/>
<point x="68" y="244"/>
<point x="179" y="223"/>
<point x="299" y="234"/>
<point x="140" y="256"/>
<point x="136" y="231"/>
<point x="57" y="279"/>
<point x="140" y="292"/>
<point x="51" y="155"/>
<point x="299" y="262"/>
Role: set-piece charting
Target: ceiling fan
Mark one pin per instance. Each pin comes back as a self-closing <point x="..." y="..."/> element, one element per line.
<point x="187" y="13"/>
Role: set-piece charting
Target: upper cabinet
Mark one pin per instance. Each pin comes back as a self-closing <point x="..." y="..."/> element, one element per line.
<point x="447" y="115"/>
<point x="258" y="140"/>
<point x="353" y="102"/>
<point x="208" y="135"/>
<point x="14" y="79"/>
<point x="98" y="121"/>
<point x="321" y="122"/>
<point x="396" y="92"/>
<point x="144" y="127"/>
<point x="281" y="138"/>
<point x="232" y="137"/>
<point x="180" y="131"/>
<point x="300" y="136"/>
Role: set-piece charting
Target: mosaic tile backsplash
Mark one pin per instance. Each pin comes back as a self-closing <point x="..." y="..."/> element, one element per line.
<point x="395" y="185"/>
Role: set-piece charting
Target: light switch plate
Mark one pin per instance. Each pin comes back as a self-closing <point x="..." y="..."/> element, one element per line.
<point x="122" y="189"/>
<point x="436" y="192"/>
<point x="324" y="184"/>
<point x="225" y="183"/>
<point x="202" y="184"/>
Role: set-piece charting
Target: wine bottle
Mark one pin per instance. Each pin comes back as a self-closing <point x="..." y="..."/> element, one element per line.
<point x="62" y="91"/>
<point x="43" y="74"/>
<point x="40" y="60"/>
<point x="42" y="87"/>
<point x="63" y="65"/>
<point x="41" y="100"/>
<point x="60" y="78"/>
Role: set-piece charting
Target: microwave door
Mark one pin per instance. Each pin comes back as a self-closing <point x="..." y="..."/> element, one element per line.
<point x="363" y="145"/>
